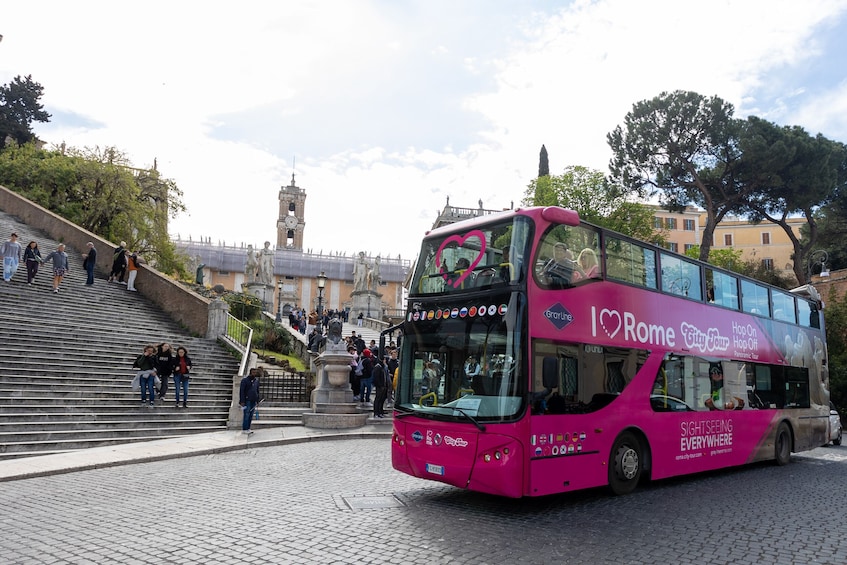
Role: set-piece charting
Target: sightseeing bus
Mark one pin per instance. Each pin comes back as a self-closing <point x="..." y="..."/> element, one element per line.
<point x="542" y="354"/>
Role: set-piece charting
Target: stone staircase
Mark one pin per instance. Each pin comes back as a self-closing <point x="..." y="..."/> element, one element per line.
<point x="66" y="362"/>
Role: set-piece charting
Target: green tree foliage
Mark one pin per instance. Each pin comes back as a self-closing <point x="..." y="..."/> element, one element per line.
<point x="543" y="163"/>
<point x="683" y="147"/>
<point x="20" y="105"/>
<point x="596" y="200"/>
<point x="790" y="172"/>
<point x="270" y="336"/>
<point x="730" y="259"/>
<point x="835" y="316"/>
<point x="99" y="190"/>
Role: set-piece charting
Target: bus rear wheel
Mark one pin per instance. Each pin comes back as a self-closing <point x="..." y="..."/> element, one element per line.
<point x="626" y="464"/>
<point x="782" y="445"/>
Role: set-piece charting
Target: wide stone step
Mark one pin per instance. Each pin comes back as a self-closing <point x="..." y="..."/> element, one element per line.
<point x="32" y="447"/>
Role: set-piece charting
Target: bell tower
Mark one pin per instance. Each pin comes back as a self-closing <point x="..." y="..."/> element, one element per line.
<point x="292" y="216"/>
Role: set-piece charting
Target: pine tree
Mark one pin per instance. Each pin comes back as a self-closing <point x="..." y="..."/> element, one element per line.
<point x="543" y="164"/>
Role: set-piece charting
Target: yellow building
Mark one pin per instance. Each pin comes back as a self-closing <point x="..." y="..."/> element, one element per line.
<point x="766" y="243"/>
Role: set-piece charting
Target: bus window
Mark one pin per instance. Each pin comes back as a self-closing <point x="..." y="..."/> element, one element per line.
<point x="476" y="258"/>
<point x="783" y="307"/>
<point x="808" y="314"/>
<point x="687" y="383"/>
<point x="631" y="263"/>
<point x="568" y="255"/>
<point x="754" y="298"/>
<point x="797" y="387"/>
<point x="681" y="277"/>
<point x="723" y="289"/>
<point x="587" y="378"/>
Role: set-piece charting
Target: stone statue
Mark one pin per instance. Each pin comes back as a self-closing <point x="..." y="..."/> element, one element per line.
<point x="335" y="326"/>
<point x="252" y="268"/>
<point x="198" y="277"/>
<point x="360" y="273"/>
<point x="266" y="266"/>
<point x="373" y="275"/>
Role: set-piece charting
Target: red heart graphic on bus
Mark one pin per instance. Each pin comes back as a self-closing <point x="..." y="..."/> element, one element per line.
<point x="613" y="325"/>
<point x="460" y="242"/>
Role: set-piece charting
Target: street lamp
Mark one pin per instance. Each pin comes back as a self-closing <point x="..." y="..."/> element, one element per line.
<point x="279" y="304"/>
<point x="817" y="257"/>
<point x="321" y="284"/>
<point x="369" y="306"/>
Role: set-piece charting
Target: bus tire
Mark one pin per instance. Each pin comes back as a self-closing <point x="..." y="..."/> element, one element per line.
<point x="626" y="464"/>
<point x="782" y="445"/>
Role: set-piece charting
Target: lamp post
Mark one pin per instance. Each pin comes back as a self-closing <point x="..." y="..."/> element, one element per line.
<point x="321" y="284"/>
<point x="817" y="257"/>
<point x="279" y="304"/>
<point x="369" y="306"/>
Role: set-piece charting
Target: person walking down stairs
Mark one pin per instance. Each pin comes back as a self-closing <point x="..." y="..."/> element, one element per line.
<point x="11" y="252"/>
<point x="164" y="367"/>
<point x="32" y="258"/>
<point x="60" y="265"/>
<point x="182" y="365"/>
<point x="146" y="365"/>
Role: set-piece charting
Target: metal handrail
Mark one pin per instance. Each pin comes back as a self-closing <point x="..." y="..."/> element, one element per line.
<point x="240" y="336"/>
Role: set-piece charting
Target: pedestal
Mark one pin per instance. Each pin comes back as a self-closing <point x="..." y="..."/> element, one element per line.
<point x="263" y="292"/>
<point x="365" y="301"/>
<point x="332" y="401"/>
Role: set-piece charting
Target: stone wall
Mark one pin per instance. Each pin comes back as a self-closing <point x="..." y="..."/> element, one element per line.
<point x="185" y="306"/>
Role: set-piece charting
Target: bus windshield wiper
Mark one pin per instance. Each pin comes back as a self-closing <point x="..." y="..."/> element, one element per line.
<point x="480" y="427"/>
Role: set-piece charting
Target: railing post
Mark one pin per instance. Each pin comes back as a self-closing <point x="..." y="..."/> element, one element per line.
<point x="218" y="310"/>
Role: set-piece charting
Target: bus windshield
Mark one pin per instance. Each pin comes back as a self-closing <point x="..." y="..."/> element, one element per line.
<point x="481" y="258"/>
<point x="463" y="360"/>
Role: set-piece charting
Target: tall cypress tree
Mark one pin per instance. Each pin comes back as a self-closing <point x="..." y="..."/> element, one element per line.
<point x="543" y="164"/>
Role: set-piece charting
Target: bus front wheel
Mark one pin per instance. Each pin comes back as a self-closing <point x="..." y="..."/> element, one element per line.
<point x="782" y="444"/>
<point x="626" y="464"/>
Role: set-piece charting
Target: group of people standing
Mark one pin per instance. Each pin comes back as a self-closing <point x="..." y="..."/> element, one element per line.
<point x="371" y="372"/>
<point x="124" y="263"/>
<point x="155" y="366"/>
<point x="13" y="254"/>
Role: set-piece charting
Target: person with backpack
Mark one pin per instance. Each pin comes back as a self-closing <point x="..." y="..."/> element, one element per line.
<point x="366" y="382"/>
<point x="380" y="381"/>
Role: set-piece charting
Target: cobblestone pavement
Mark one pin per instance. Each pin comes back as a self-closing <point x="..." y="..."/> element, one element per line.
<point x="340" y="502"/>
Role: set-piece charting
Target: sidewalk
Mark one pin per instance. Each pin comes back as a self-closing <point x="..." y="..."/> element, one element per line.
<point x="186" y="446"/>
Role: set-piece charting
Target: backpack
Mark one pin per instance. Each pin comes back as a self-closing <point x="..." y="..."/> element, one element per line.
<point x="359" y="367"/>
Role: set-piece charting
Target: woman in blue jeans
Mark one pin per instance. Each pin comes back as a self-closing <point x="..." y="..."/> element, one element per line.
<point x="182" y="365"/>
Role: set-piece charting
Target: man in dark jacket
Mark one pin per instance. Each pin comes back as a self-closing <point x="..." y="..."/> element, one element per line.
<point x="90" y="258"/>
<point x="248" y="398"/>
<point x="380" y="381"/>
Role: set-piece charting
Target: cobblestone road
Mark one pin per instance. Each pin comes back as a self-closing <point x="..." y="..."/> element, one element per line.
<point x="325" y="502"/>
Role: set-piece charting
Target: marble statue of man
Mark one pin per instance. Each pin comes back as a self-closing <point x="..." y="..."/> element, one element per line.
<point x="252" y="268"/>
<point x="266" y="265"/>
<point x="360" y="273"/>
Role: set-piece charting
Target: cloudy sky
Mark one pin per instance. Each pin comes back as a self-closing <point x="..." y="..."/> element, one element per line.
<point x="384" y="109"/>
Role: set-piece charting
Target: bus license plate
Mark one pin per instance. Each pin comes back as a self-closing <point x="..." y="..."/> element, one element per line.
<point x="435" y="469"/>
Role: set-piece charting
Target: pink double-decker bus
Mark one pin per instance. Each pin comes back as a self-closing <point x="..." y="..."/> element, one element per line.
<point x="542" y="354"/>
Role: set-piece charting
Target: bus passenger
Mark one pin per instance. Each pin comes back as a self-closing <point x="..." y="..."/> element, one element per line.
<point x="720" y="399"/>
<point x="560" y="269"/>
<point x="588" y="265"/>
<point x="471" y="371"/>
